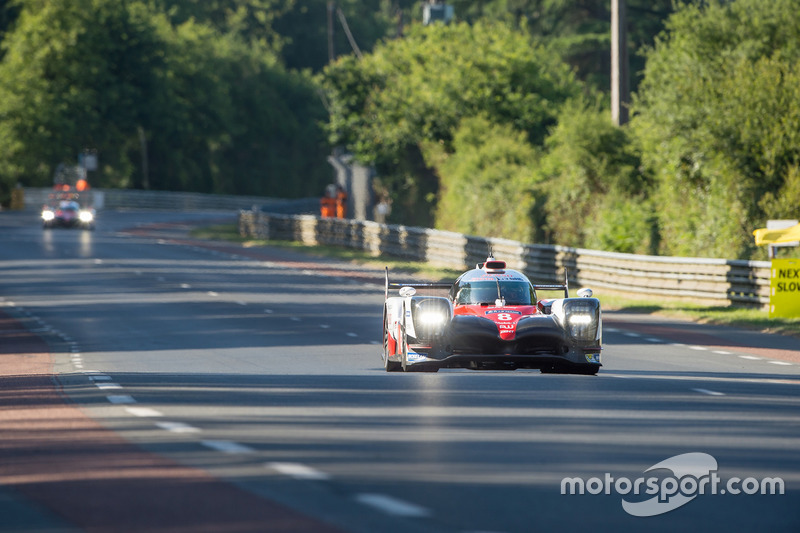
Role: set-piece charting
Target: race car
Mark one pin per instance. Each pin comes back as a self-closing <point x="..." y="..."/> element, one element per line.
<point x="68" y="214"/>
<point x="491" y="319"/>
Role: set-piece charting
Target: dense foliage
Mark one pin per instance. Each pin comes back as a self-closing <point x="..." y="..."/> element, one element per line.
<point x="496" y="124"/>
<point x="718" y="120"/>
<point x="711" y="154"/>
<point x="209" y="109"/>
<point x="417" y="90"/>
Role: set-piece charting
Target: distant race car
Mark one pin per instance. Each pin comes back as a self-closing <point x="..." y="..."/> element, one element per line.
<point x="68" y="214"/>
<point x="491" y="320"/>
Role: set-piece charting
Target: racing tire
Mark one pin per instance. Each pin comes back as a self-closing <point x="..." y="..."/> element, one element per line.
<point x="390" y="366"/>
<point x="404" y="366"/>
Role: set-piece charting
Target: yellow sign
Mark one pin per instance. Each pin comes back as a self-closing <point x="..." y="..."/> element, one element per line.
<point x="777" y="236"/>
<point x="784" y="285"/>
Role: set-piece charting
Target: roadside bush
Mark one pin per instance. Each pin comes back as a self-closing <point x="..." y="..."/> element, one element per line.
<point x="589" y="158"/>
<point x="487" y="182"/>
<point x="718" y="119"/>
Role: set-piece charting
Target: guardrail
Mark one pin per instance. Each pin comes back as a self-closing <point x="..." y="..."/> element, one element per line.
<point x="705" y="281"/>
<point x="179" y="201"/>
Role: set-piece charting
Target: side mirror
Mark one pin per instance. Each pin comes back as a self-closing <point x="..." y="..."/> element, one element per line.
<point x="407" y="291"/>
<point x="585" y="293"/>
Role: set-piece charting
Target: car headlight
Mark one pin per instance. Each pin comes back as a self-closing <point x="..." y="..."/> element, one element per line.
<point x="582" y="317"/>
<point x="48" y="215"/>
<point x="430" y="316"/>
<point x="86" y="216"/>
<point x="433" y="318"/>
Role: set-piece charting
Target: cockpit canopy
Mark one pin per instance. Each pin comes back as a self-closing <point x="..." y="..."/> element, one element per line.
<point x="487" y="291"/>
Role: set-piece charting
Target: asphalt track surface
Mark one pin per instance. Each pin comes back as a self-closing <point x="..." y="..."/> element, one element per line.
<point x="150" y="382"/>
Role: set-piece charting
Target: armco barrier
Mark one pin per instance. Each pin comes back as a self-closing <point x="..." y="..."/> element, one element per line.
<point x="705" y="281"/>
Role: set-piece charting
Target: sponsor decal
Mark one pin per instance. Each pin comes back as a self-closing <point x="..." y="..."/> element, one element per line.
<point x="690" y="475"/>
<point x="414" y="356"/>
<point x="592" y="357"/>
<point x="503" y="311"/>
<point x="506" y="276"/>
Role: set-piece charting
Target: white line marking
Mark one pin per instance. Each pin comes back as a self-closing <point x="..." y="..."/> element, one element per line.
<point x="750" y="357"/>
<point x="677" y="344"/>
<point x="144" y="412"/>
<point x="722" y="352"/>
<point x="631" y="334"/>
<point x="185" y="286"/>
<point x="709" y="392"/>
<point x="298" y="471"/>
<point x="653" y="339"/>
<point x="392" y="506"/>
<point x="698" y="348"/>
<point x="611" y="330"/>
<point x="324" y="326"/>
<point x="268" y="311"/>
<point x="107" y="386"/>
<point x="294" y="319"/>
<point x="177" y="427"/>
<point x="243" y="304"/>
<point x="226" y="446"/>
<point x="352" y="334"/>
<point x="101" y="377"/>
<point x="782" y="363"/>
<point x="212" y="293"/>
<point x="120" y="398"/>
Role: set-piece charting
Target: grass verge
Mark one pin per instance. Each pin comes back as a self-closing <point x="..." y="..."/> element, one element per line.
<point x="754" y="319"/>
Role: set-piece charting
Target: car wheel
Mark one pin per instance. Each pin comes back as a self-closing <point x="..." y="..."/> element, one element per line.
<point x="404" y="350"/>
<point x="390" y="366"/>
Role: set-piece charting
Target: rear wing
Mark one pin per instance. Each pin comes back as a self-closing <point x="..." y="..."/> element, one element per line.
<point x="395" y="285"/>
<point x="557" y="287"/>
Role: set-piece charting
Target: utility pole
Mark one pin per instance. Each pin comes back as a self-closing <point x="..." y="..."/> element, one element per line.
<point x="331" y="49"/>
<point x="620" y="87"/>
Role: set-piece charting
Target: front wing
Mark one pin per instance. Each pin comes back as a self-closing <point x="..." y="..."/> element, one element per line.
<point x="543" y="345"/>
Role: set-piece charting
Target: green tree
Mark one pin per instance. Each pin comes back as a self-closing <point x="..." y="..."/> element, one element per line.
<point x="718" y="119"/>
<point x="487" y="182"/>
<point x="304" y="29"/>
<point x="217" y="112"/>
<point x="578" y="30"/>
<point x="595" y="191"/>
<point x="418" y="89"/>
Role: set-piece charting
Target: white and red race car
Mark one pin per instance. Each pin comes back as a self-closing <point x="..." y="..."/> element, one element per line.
<point x="491" y="320"/>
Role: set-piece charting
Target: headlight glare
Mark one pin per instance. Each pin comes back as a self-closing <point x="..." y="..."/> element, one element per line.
<point x="432" y="318"/>
<point x="582" y="318"/>
<point x="86" y="216"/>
<point x="48" y="215"/>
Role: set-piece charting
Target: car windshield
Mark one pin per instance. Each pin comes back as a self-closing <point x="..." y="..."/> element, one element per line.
<point x="485" y="292"/>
